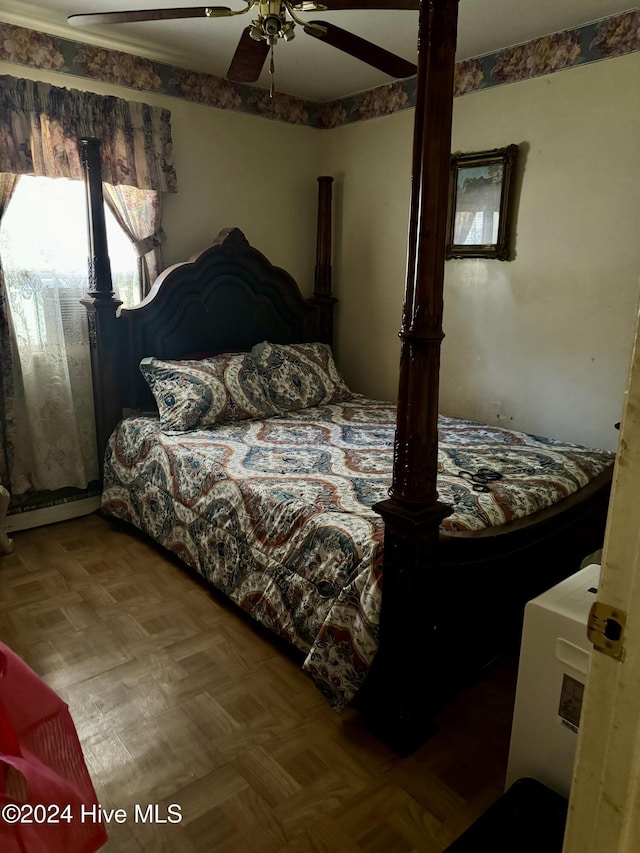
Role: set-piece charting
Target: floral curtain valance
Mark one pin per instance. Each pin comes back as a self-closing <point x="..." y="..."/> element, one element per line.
<point x="40" y="125"/>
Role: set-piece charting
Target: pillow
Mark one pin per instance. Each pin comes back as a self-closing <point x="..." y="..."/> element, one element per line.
<point x="200" y="394"/>
<point x="299" y="375"/>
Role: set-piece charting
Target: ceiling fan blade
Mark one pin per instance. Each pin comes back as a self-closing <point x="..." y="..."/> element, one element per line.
<point x="89" y="19"/>
<point x="362" y="49"/>
<point x="339" y="5"/>
<point x="248" y="59"/>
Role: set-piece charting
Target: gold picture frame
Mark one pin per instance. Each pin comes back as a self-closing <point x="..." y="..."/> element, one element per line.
<point x="479" y="222"/>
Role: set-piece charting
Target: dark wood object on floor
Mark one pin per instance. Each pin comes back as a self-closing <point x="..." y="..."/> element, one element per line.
<point x="529" y="818"/>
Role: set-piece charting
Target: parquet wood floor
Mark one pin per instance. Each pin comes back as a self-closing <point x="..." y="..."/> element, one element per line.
<point x="179" y="700"/>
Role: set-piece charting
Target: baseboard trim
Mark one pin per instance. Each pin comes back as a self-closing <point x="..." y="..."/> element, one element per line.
<point x="51" y="514"/>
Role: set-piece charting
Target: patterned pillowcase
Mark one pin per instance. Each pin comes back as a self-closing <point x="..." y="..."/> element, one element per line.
<point x="200" y="394"/>
<point x="300" y="375"/>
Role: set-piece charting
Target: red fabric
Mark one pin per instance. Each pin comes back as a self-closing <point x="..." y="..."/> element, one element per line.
<point x="42" y="769"/>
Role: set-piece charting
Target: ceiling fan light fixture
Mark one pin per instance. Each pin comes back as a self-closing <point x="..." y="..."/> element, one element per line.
<point x="272" y="25"/>
<point x="288" y="31"/>
<point x="275" y="20"/>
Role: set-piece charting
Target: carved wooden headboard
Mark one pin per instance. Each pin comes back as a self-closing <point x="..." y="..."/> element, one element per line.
<point x="226" y="298"/>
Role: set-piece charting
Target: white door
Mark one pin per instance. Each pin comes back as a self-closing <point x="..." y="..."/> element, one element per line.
<point x="604" y="807"/>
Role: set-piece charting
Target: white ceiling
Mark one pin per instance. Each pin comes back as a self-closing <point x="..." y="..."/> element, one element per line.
<point x="306" y="67"/>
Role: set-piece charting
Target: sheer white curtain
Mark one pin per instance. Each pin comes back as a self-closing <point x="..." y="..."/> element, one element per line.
<point x="56" y="375"/>
<point x="15" y="448"/>
<point x="44" y="259"/>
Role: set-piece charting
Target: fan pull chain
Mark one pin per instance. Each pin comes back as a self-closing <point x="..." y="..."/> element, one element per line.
<point x="272" y="72"/>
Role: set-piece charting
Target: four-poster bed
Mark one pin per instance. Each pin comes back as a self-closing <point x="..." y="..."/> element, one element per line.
<point x="452" y="601"/>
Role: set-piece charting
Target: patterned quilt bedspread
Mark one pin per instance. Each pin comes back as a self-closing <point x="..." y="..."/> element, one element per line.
<point x="278" y="513"/>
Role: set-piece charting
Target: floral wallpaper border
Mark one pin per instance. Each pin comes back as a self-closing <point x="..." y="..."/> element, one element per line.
<point x="605" y="39"/>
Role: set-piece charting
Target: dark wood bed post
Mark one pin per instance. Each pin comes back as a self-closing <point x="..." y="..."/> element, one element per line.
<point x="322" y="296"/>
<point x="399" y="704"/>
<point x="100" y="302"/>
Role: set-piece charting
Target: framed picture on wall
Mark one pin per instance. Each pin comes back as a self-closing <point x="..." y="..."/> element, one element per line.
<point x="480" y="204"/>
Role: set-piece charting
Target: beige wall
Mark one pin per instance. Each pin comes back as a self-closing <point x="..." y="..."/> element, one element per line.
<point x="541" y="343"/>
<point x="233" y="169"/>
<point x="371" y="162"/>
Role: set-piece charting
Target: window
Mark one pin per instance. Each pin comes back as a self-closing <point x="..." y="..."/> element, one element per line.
<point x="44" y="248"/>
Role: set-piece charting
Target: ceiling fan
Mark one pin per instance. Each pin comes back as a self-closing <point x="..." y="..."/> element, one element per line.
<point x="276" y="19"/>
